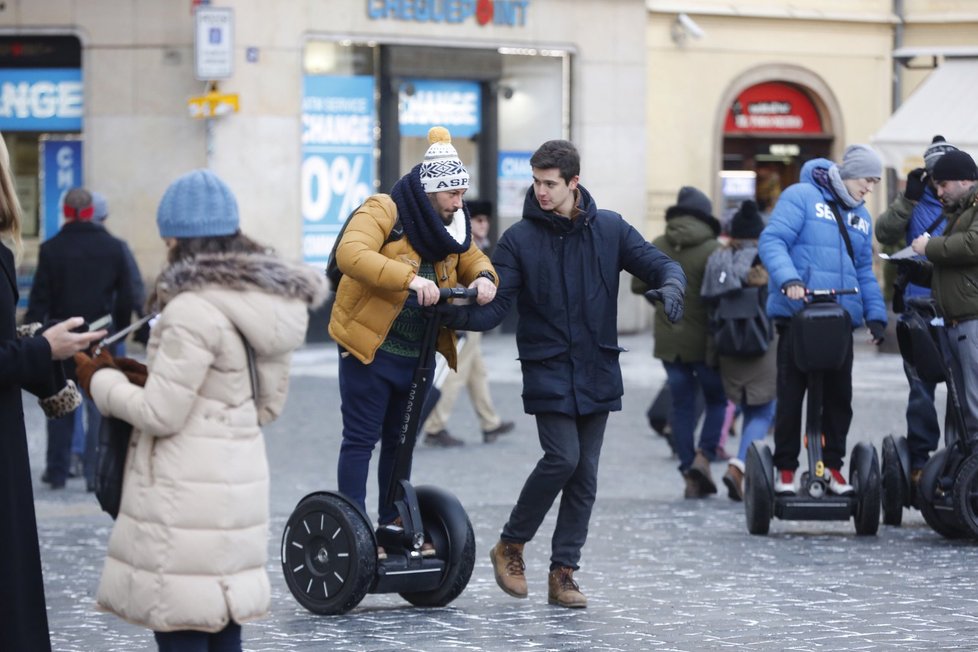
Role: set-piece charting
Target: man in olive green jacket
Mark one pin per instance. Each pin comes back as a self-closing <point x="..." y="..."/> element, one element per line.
<point x="954" y="278"/>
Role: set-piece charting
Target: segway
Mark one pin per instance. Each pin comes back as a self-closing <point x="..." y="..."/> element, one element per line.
<point x="821" y="333"/>
<point x="329" y="547"/>
<point x="946" y="491"/>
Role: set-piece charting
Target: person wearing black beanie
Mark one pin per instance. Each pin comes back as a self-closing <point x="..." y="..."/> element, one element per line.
<point x="954" y="256"/>
<point x="747" y="224"/>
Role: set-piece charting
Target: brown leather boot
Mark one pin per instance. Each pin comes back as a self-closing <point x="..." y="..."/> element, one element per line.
<point x="734" y="479"/>
<point x="564" y="591"/>
<point x="693" y="489"/>
<point x="700" y="469"/>
<point x="507" y="563"/>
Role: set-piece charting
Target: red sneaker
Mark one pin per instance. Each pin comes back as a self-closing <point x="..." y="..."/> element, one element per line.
<point x="784" y="482"/>
<point x="838" y="484"/>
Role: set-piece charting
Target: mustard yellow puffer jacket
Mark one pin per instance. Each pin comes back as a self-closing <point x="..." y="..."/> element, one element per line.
<point x="376" y="276"/>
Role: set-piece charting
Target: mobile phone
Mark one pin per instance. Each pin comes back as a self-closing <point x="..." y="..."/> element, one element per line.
<point x="87" y="327"/>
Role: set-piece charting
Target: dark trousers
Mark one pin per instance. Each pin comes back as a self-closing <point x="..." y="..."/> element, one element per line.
<point x="61" y="433"/>
<point x="226" y="640"/>
<point x="836" y="407"/>
<point x="373" y="399"/>
<point x="571" y="449"/>
<point x="923" y="429"/>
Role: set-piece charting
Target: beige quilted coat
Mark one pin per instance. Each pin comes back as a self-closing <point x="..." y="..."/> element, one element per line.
<point x="189" y="548"/>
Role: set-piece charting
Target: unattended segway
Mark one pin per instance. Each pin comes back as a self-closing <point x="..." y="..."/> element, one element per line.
<point x="946" y="494"/>
<point x="821" y="333"/>
<point x="329" y="547"/>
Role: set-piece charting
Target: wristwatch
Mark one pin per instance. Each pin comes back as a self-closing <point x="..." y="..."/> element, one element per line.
<point x="486" y="274"/>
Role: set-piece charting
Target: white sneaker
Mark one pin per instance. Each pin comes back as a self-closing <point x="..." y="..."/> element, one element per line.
<point x="784" y="482"/>
<point x="838" y="484"/>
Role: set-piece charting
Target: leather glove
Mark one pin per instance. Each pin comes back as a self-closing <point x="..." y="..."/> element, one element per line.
<point x="916" y="182"/>
<point x="134" y="370"/>
<point x="671" y="295"/>
<point x="450" y="315"/>
<point x="85" y="367"/>
<point x="878" y="330"/>
<point x="917" y="270"/>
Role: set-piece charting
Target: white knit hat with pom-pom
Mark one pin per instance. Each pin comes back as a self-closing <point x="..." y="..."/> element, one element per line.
<point x="442" y="169"/>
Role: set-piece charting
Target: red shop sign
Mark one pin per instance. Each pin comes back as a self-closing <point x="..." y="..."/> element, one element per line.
<point x="772" y="107"/>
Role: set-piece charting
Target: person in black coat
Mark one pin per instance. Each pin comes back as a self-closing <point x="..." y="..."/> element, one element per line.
<point x="561" y="264"/>
<point x="80" y="271"/>
<point x="26" y="362"/>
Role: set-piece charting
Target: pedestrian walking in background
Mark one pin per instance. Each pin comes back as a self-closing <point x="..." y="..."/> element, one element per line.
<point x="689" y="239"/>
<point x="910" y="215"/>
<point x="560" y="265"/>
<point x="80" y="271"/>
<point x="954" y="259"/>
<point x="471" y="369"/>
<point x="29" y="361"/>
<point x="188" y="553"/>
<point x="819" y="237"/>
<point x="749" y="378"/>
<point x="417" y="238"/>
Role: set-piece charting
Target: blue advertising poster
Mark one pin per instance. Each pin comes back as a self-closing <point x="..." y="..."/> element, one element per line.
<point x="62" y="171"/>
<point x="426" y="103"/>
<point x="513" y="177"/>
<point x="338" y="120"/>
<point x="41" y="99"/>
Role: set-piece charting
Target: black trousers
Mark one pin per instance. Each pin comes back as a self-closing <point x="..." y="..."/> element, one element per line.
<point x="836" y="407"/>
<point x="571" y="449"/>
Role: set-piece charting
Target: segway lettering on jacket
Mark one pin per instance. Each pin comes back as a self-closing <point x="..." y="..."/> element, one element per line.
<point x="333" y="271"/>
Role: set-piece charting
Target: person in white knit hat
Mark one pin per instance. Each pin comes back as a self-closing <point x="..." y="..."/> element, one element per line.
<point x="416" y="238"/>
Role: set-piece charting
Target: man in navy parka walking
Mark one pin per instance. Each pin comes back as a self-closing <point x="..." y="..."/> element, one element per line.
<point x="561" y="265"/>
<point x="803" y="247"/>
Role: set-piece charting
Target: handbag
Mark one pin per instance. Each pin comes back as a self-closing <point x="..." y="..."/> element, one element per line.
<point x="740" y="325"/>
<point x="110" y="463"/>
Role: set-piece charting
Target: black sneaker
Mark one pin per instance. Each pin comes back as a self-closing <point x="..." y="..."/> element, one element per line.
<point x="489" y="436"/>
<point x="442" y="439"/>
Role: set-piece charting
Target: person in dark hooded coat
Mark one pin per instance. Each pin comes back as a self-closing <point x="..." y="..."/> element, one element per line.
<point x="560" y="265"/>
<point x="27" y="361"/>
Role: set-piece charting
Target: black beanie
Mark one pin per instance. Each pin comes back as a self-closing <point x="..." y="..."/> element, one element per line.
<point x="746" y="223"/>
<point x="955" y="166"/>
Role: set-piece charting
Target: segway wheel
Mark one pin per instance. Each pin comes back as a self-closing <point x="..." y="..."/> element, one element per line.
<point x="866" y="482"/>
<point x="448" y="528"/>
<point x="943" y="521"/>
<point x="965" y="494"/>
<point x="758" y="493"/>
<point x="893" y="489"/>
<point x="329" y="557"/>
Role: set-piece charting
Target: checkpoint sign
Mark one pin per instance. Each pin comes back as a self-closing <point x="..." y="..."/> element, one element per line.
<point x="213" y="42"/>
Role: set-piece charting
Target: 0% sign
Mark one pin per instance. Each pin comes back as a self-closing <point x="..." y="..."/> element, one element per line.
<point x="333" y="187"/>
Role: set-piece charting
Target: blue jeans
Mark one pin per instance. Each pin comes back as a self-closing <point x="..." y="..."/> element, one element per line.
<point x="226" y="640"/>
<point x="569" y="467"/>
<point x="373" y="399"/>
<point x="757" y="421"/>
<point x="684" y="378"/>
<point x="923" y="429"/>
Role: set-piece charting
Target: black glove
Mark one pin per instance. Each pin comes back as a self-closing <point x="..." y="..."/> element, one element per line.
<point x="917" y="270"/>
<point x="916" y="182"/>
<point x="450" y="315"/>
<point x="878" y="330"/>
<point x="671" y="296"/>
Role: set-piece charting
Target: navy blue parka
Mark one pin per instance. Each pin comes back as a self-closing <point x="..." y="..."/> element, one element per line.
<point x="563" y="275"/>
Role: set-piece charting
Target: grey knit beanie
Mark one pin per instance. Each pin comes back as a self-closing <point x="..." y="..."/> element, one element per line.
<point x="690" y="197"/>
<point x="938" y="148"/>
<point x="197" y="205"/>
<point x="860" y="162"/>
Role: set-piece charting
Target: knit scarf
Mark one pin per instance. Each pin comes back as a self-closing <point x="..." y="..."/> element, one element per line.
<point x="422" y="225"/>
<point x="830" y="179"/>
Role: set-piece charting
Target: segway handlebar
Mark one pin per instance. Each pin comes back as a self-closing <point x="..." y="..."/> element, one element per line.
<point x="443" y="294"/>
<point x="830" y="292"/>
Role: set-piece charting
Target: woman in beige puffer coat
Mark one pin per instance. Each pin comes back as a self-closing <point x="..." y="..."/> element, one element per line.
<point x="189" y="547"/>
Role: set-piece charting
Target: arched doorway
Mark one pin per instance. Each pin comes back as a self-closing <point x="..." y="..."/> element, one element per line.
<point x="770" y="121"/>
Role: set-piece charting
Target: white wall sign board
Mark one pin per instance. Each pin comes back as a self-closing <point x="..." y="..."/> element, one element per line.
<point x="213" y="43"/>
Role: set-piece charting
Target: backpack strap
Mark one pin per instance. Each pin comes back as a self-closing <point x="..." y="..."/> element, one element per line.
<point x="837" y="211"/>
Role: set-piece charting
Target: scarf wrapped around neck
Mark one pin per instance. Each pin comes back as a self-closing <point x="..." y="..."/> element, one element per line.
<point x="422" y="225"/>
<point x="831" y="179"/>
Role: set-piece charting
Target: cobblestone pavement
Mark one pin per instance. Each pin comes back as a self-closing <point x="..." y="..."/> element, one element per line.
<point x="660" y="572"/>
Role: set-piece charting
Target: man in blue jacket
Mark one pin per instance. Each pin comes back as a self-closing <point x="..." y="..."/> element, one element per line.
<point x="560" y="264"/>
<point x="915" y="212"/>
<point x="803" y="247"/>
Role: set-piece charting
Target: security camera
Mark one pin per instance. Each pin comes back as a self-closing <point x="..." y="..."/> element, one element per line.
<point x="690" y="26"/>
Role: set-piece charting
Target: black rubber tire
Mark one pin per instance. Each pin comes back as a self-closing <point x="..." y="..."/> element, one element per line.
<point x="448" y="528"/>
<point x="893" y="485"/>
<point x="965" y="494"/>
<point x="758" y="498"/>
<point x="329" y="556"/>
<point x="867" y="516"/>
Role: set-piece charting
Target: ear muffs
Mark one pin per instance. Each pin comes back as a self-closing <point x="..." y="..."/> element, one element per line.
<point x="79" y="213"/>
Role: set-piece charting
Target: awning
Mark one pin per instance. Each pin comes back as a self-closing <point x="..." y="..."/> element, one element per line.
<point x="945" y="103"/>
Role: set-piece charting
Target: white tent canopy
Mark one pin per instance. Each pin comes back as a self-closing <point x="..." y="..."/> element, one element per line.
<point x="945" y="103"/>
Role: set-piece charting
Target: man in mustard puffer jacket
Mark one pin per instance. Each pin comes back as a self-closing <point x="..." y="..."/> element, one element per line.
<point x="417" y="238"/>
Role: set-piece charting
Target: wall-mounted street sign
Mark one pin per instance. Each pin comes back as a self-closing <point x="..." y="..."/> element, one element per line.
<point x="213" y="42"/>
<point x="213" y="104"/>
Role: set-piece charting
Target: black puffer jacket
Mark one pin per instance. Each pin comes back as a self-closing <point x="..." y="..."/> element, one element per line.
<point x="563" y="275"/>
